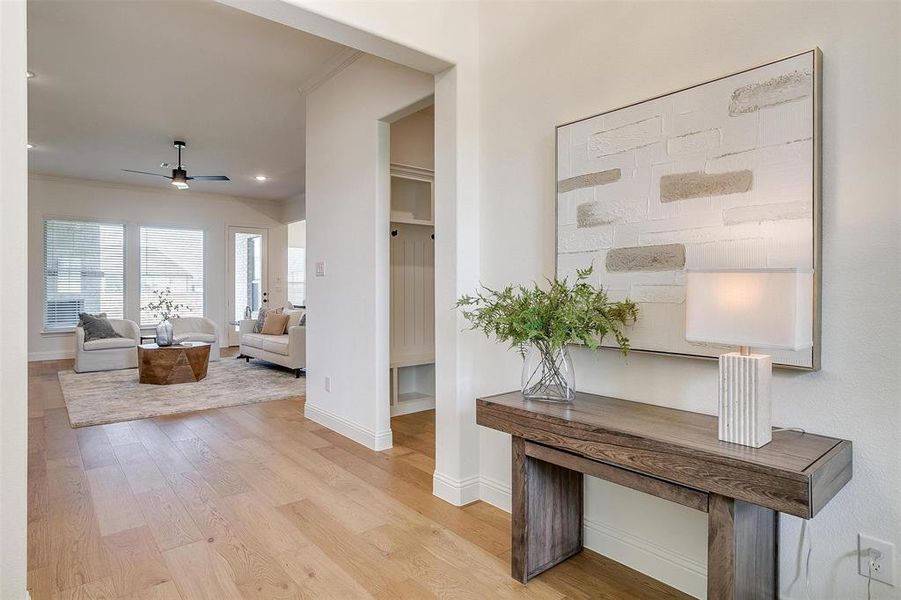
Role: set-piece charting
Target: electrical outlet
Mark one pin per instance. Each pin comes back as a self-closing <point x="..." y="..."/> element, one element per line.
<point x="328" y="384"/>
<point x="883" y="566"/>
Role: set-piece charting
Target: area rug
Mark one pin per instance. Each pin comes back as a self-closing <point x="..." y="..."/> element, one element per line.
<point x="113" y="396"/>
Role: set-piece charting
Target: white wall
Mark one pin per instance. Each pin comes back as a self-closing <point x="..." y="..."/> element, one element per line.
<point x="439" y="37"/>
<point x="556" y="62"/>
<point x="347" y="208"/>
<point x="413" y="139"/>
<point x="293" y="209"/>
<point x="136" y="206"/>
<point x="13" y="274"/>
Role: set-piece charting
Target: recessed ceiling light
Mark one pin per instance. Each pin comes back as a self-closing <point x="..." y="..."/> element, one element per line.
<point x="261" y="178"/>
<point x="29" y="74"/>
<point x="29" y="146"/>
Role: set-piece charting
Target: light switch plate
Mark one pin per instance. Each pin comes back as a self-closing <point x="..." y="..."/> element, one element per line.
<point x="320" y="269"/>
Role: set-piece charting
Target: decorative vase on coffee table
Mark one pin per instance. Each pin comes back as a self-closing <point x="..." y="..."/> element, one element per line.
<point x="164" y="333"/>
<point x="547" y="374"/>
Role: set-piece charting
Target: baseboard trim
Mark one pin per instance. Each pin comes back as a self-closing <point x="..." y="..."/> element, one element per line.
<point x="664" y="564"/>
<point x="458" y="492"/>
<point x="374" y="440"/>
<point x="50" y="355"/>
<point x="672" y="568"/>
<point x="496" y="493"/>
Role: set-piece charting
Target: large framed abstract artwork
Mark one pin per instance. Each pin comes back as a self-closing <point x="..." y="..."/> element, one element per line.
<point x="720" y="175"/>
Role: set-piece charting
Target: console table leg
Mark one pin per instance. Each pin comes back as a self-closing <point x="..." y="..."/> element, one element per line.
<point x="742" y="550"/>
<point x="547" y="514"/>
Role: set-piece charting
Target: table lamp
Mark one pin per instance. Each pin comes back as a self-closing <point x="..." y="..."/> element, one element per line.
<point x="760" y="308"/>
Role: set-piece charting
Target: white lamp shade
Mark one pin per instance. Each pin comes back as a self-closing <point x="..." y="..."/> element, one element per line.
<point x="771" y="308"/>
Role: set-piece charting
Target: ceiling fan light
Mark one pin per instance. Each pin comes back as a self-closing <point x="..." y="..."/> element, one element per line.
<point x="261" y="178"/>
<point x="180" y="185"/>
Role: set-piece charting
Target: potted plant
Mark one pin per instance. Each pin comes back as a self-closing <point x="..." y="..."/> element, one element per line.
<point x="540" y="323"/>
<point x="163" y="308"/>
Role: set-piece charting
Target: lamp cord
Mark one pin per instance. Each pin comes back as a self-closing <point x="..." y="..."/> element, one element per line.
<point x="869" y="577"/>
<point x="872" y="554"/>
<point x="808" y="534"/>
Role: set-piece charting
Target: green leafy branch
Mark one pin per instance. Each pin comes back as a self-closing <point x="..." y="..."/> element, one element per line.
<point x="550" y="318"/>
<point x="164" y="307"/>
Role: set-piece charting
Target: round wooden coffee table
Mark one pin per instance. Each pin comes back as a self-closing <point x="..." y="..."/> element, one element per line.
<point x="179" y="363"/>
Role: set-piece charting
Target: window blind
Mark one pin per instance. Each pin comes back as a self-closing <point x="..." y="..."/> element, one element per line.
<point x="84" y="266"/>
<point x="297" y="276"/>
<point x="173" y="259"/>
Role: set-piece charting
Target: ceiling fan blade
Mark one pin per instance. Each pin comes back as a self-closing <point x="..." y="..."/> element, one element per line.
<point x="209" y="178"/>
<point x="146" y="173"/>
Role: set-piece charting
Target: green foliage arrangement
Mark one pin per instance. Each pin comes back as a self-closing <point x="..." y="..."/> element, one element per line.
<point x="163" y="307"/>
<point x="550" y="318"/>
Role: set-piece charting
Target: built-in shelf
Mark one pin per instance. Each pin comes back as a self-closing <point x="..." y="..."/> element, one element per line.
<point x="405" y="220"/>
<point x="412" y="290"/>
<point x="412" y="386"/>
<point x="412" y="195"/>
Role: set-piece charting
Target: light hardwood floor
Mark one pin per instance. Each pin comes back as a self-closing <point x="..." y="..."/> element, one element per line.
<point x="258" y="502"/>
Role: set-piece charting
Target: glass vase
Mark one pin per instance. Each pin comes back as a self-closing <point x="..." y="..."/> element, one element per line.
<point x="164" y="333"/>
<point x="547" y="374"/>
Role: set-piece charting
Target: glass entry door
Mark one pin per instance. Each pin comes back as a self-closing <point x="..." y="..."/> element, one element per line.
<point x="248" y="285"/>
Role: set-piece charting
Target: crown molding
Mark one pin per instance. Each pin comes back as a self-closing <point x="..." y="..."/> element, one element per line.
<point x="329" y="69"/>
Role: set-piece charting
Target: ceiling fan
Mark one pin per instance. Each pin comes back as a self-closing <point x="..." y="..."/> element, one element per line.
<point x="179" y="177"/>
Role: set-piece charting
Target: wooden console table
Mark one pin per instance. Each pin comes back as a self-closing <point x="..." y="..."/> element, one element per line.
<point x="672" y="454"/>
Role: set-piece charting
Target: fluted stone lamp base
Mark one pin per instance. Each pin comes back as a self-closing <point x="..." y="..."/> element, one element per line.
<point x="744" y="403"/>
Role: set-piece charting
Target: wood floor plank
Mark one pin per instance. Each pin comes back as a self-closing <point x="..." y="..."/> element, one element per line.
<point x="161" y="449"/>
<point x="319" y="576"/>
<point x="167" y="520"/>
<point x="487" y="537"/>
<point x="224" y="447"/>
<point x="120" y="434"/>
<point x="268" y="524"/>
<point x="223" y="476"/>
<point x="77" y="555"/>
<point x="135" y="561"/>
<point x="163" y="591"/>
<point x="258" y="502"/>
<point x="200" y="574"/>
<point x="40" y="584"/>
<point x="252" y="568"/>
<point x="372" y="569"/>
<point x="355" y="516"/>
<point x="114" y="503"/>
<point x="102" y="589"/>
<point x="131" y="453"/>
<point x="143" y="476"/>
<point x="95" y="448"/>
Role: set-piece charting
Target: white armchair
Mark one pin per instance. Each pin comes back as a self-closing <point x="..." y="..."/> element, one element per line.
<point x="288" y="350"/>
<point x="196" y="329"/>
<point x="111" y="353"/>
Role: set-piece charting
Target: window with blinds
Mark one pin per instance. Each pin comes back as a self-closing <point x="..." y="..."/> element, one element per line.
<point x="84" y="271"/>
<point x="297" y="276"/>
<point x="173" y="259"/>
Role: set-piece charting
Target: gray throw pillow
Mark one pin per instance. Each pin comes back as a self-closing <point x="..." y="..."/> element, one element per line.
<point x="97" y="328"/>
<point x="98" y="315"/>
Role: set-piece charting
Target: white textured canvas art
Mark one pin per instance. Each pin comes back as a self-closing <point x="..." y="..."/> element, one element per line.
<point x="721" y="175"/>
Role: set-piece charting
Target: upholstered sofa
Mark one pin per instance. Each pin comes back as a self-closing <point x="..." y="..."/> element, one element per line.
<point x="196" y="329"/>
<point x="288" y="349"/>
<point x="111" y="353"/>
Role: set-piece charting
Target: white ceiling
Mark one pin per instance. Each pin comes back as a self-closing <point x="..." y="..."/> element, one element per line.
<point x="117" y="82"/>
